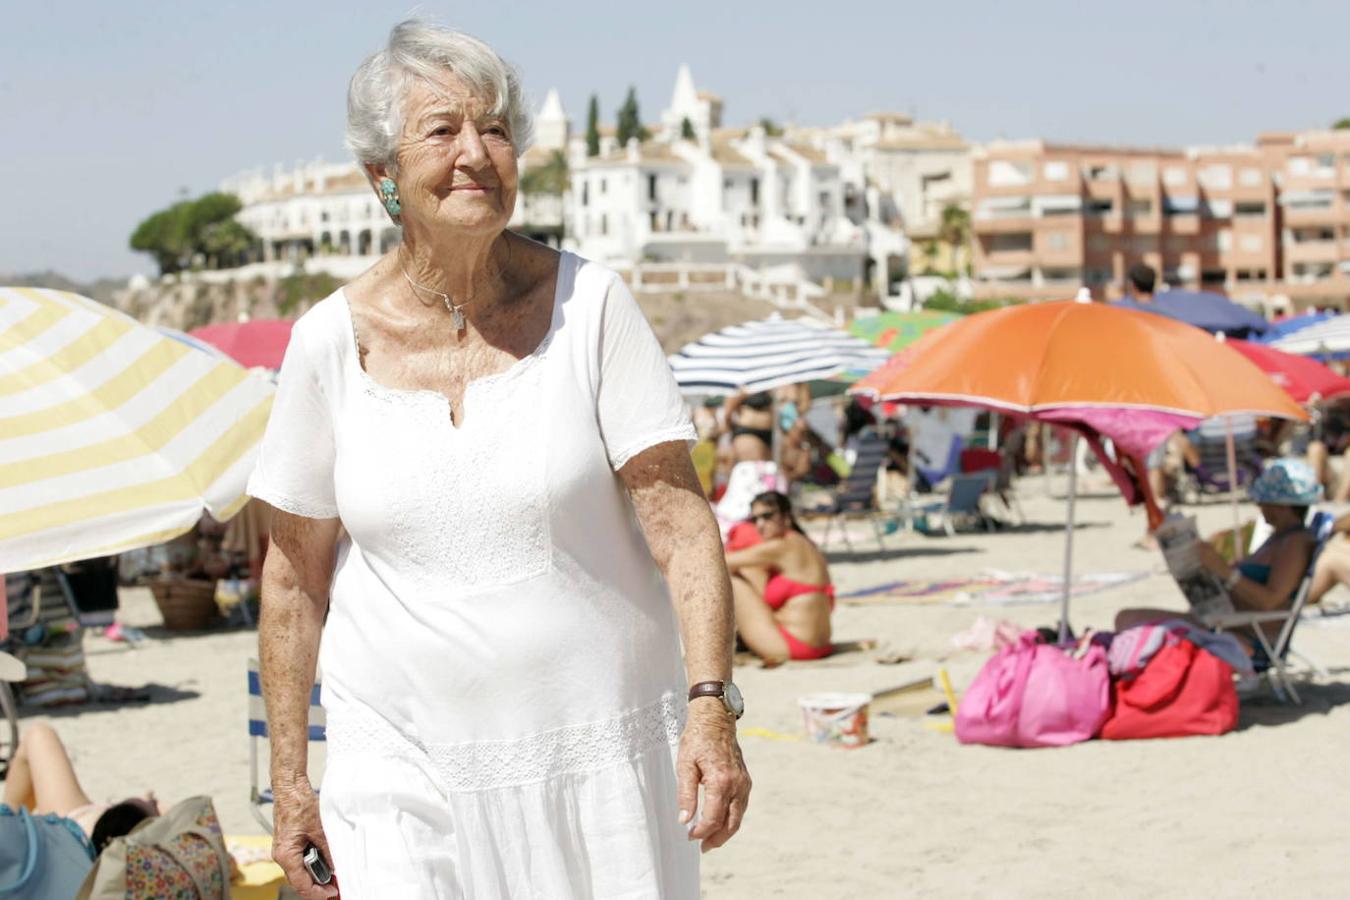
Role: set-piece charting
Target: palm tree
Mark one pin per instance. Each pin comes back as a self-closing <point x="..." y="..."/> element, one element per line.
<point x="954" y="231"/>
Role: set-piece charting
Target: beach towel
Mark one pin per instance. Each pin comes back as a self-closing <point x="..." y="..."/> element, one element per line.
<point x="988" y="589"/>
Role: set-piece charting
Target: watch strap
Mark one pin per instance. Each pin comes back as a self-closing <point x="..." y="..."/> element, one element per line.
<point x="708" y="689"/>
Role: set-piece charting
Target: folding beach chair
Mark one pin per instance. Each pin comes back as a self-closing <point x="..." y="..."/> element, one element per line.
<point x="1274" y="667"/>
<point x="963" y="503"/>
<point x="259" y="746"/>
<point x="857" y="495"/>
<point x="1210" y="441"/>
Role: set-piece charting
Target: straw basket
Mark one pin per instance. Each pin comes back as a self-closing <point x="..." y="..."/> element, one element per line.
<point x="187" y="604"/>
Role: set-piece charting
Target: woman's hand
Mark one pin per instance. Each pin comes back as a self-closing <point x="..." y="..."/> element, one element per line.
<point x="1212" y="561"/>
<point x="710" y="756"/>
<point x="296" y="825"/>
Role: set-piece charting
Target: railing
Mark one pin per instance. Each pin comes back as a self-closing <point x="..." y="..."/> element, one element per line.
<point x="783" y="291"/>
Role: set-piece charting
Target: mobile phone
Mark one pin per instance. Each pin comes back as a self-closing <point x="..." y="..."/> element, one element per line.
<point x="315" y="865"/>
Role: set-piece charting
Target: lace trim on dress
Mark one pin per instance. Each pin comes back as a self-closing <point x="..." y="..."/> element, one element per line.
<point x="684" y="432"/>
<point x="485" y="765"/>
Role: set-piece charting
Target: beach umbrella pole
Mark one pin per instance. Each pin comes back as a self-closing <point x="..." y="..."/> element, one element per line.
<point x="1233" y="485"/>
<point x="1068" y="542"/>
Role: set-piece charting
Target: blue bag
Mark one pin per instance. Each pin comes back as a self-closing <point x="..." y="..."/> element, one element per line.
<point x="41" y="857"/>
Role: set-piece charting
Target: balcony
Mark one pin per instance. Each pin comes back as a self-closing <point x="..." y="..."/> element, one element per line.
<point x="1311" y="252"/>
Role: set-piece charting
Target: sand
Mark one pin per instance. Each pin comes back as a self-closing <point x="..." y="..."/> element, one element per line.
<point x="1259" y="812"/>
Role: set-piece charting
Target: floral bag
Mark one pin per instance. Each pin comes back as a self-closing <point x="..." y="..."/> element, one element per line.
<point x="180" y="854"/>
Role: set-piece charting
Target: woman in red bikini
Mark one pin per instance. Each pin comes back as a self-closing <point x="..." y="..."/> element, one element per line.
<point x="781" y="586"/>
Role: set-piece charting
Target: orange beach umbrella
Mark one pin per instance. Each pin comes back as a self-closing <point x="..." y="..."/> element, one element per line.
<point x="1069" y="355"/>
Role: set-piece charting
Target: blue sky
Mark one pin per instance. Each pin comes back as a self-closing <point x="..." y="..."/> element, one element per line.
<point x="109" y="110"/>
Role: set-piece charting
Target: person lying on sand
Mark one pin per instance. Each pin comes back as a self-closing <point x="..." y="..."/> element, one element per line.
<point x="42" y="780"/>
<point x="781" y="587"/>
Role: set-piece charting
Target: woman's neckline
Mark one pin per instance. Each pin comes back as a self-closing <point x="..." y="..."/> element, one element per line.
<point x="523" y="362"/>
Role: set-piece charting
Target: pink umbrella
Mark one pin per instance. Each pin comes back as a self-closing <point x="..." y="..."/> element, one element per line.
<point x="260" y="342"/>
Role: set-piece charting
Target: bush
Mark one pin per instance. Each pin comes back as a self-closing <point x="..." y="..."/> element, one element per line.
<point x="304" y="288"/>
<point x="943" y="300"/>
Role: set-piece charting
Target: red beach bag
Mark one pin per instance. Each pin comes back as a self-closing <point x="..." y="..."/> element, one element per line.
<point x="1182" y="691"/>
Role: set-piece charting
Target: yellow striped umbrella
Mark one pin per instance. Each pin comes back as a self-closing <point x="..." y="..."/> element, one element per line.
<point x="113" y="435"/>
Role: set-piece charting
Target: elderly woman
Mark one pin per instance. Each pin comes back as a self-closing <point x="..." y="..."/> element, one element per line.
<point x="468" y="445"/>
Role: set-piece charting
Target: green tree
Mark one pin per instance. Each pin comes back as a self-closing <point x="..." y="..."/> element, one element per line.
<point x="629" y="124"/>
<point x="549" y="178"/>
<point x="687" y="129"/>
<point x="954" y="231"/>
<point x="204" y="227"/>
<point x="593" y="127"/>
<point x="1341" y="123"/>
<point x="771" y="128"/>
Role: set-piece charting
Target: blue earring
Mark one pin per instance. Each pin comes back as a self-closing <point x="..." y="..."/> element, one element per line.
<point x="389" y="193"/>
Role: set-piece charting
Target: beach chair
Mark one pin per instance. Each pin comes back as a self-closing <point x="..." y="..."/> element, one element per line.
<point x="1210" y="441"/>
<point x="962" y="505"/>
<point x="259" y="747"/>
<point x="1274" y="666"/>
<point x="856" y="498"/>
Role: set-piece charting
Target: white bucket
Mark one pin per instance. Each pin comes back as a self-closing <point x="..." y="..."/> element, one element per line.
<point x="836" y="718"/>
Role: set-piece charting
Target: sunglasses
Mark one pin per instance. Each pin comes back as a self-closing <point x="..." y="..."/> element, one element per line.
<point x="756" y="518"/>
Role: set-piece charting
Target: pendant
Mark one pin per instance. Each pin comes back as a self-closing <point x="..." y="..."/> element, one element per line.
<point x="456" y="318"/>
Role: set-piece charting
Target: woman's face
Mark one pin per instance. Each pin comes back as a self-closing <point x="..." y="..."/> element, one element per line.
<point x="768" y="521"/>
<point x="456" y="162"/>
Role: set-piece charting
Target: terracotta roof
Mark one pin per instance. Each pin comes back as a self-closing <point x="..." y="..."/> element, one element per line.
<point x="728" y="157"/>
<point x="648" y="152"/>
<point x="805" y="151"/>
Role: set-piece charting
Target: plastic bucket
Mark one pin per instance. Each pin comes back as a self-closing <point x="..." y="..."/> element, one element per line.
<point x="838" y="719"/>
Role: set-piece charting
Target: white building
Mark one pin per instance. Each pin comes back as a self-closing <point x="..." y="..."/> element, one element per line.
<point x="811" y="205"/>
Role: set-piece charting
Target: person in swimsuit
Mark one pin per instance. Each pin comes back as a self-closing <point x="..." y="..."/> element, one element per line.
<point x="781" y="587"/>
<point x="750" y="418"/>
<point x="41" y="779"/>
<point x="1268" y="578"/>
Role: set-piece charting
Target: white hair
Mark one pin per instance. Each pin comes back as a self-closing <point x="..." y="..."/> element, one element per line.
<point x="418" y="49"/>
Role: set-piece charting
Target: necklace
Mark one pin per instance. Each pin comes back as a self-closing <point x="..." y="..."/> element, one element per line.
<point x="456" y="310"/>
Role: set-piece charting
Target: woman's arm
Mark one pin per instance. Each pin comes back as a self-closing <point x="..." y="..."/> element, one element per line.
<point x="296" y="577"/>
<point x="766" y="553"/>
<point x="1286" y="573"/>
<point x="685" y="543"/>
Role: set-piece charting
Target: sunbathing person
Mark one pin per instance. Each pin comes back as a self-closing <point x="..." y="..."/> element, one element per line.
<point x="781" y="586"/>
<point x="750" y="418"/>
<point x="42" y="779"/>
<point x="1268" y="579"/>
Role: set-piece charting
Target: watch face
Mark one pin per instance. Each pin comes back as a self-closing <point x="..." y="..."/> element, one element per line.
<point x="732" y="695"/>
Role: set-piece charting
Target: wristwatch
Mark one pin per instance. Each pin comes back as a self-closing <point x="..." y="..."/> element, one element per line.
<point x="728" y="693"/>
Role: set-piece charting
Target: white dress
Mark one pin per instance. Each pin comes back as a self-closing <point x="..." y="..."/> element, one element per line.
<point x="501" y="666"/>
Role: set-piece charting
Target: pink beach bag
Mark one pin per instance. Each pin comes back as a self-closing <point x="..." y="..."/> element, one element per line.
<point x="1036" y="695"/>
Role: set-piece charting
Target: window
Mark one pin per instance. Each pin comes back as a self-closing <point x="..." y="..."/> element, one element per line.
<point x="1251" y="243"/>
<point x="1219" y="209"/>
<point x="1055" y="240"/>
<point x="754" y="192"/>
<point x="1300" y="165"/>
<point x="1249" y="209"/>
<point x="1097" y="276"/>
<point x="1250" y="177"/>
<point x="653" y="223"/>
<point x="1225" y="240"/>
<point x="1102" y="172"/>
<point x="585" y="192"/>
<point x="1139" y="207"/>
<point x="1005" y="172"/>
<point x="1099" y="243"/>
<point x="1056" y="171"/>
<point x="603" y="185"/>
<point x="1060" y="275"/>
<point x="1216" y="176"/>
<point x="1179" y="206"/>
<point x="604" y="222"/>
<point x="726" y="184"/>
<point x="1143" y="173"/>
<point x="651" y="187"/>
<point x="1015" y="242"/>
<point x="1174" y="176"/>
<point x="1094" y="207"/>
<point x="1213" y="277"/>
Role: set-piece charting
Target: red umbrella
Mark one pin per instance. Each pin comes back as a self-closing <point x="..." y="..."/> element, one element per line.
<point x="1300" y="376"/>
<point x="260" y="342"/>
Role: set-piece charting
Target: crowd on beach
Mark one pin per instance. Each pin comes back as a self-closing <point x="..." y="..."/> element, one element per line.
<point x="767" y="461"/>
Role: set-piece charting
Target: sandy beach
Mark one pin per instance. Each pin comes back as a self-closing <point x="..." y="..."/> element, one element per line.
<point x="1259" y="812"/>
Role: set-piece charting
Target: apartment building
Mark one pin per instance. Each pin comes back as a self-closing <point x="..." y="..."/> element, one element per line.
<point x="1263" y="223"/>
